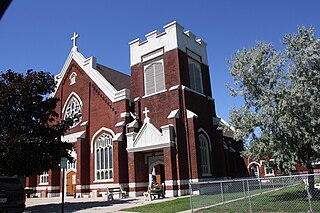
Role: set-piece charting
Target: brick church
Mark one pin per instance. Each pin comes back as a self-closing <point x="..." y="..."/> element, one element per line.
<point x="161" y="118"/>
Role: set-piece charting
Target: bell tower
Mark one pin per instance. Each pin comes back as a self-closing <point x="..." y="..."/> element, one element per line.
<point x="170" y="77"/>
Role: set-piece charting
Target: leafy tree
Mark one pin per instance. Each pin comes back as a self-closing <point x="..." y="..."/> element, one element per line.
<point x="30" y="130"/>
<point x="280" y="114"/>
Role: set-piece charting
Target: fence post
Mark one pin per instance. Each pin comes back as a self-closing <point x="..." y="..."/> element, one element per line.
<point x="309" y="197"/>
<point x="249" y="196"/>
<point x="190" y="192"/>
<point x="260" y="185"/>
<point x="282" y="181"/>
<point x="309" y="194"/>
<point x="221" y="186"/>
<point x="272" y="183"/>
<point x="244" y="189"/>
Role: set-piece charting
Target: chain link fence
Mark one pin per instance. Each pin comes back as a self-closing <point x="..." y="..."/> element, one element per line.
<point x="296" y="193"/>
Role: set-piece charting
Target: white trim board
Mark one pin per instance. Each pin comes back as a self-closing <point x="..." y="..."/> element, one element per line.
<point x="88" y="65"/>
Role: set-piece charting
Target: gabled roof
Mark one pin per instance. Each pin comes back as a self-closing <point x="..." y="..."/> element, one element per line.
<point x="118" y="79"/>
<point x="112" y="83"/>
<point x="150" y="138"/>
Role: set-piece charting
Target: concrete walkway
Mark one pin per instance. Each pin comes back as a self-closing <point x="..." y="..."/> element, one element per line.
<point x="81" y="205"/>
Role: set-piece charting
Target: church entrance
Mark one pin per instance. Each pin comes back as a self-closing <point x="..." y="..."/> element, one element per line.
<point x="71" y="183"/>
<point x="159" y="169"/>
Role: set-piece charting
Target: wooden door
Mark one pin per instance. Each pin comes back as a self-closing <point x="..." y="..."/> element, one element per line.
<point x="71" y="183"/>
<point x="159" y="173"/>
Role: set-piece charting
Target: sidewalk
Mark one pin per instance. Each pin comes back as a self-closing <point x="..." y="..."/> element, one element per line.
<point x="82" y="205"/>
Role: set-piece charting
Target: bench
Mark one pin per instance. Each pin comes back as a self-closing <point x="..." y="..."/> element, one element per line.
<point x="154" y="191"/>
<point x="111" y="191"/>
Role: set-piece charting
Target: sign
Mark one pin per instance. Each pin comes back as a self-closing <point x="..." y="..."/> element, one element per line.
<point x="63" y="162"/>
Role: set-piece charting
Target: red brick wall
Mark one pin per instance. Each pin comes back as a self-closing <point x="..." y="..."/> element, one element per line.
<point x="100" y="112"/>
<point x="160" y="105"/>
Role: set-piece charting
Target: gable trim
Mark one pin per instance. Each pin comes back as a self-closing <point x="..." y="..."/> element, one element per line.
<point x="88" y="65"/>
<point x="150" y="140"/>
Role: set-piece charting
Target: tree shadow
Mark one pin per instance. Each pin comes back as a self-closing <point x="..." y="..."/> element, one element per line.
<point x="72" y="206"/>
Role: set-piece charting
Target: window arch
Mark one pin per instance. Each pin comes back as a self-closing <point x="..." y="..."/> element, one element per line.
<point x="73" y="110"/>
<point x="72" y="78"/>
<point x="103" y="157"/>
<point x="154" y="78"/>
<point x="204" y="146"/>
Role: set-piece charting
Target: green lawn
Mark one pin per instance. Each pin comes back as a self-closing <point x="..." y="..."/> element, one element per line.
<point x="179" y="204"/>
<point x="290" y="199"/>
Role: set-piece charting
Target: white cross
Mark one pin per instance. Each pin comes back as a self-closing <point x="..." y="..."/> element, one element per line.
<point x="74" y="39"/>
<point x="145" y="112"/>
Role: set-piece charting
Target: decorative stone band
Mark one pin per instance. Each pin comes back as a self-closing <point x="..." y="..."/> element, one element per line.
<point x="41" y="188"/>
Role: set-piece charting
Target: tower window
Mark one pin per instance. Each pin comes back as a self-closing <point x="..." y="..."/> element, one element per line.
<point x="195" y="76"/>
<point x="154" y="78"/>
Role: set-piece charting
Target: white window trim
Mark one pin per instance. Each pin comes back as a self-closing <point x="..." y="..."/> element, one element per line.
<point x="156" y="93"/>
<point x="70" y="96"/>
<point x="44" y="175"/>
<point x="265" y="171"/>
<point x="144" y="78"/>
<point x="73" y="95"/>
<point x="69" y="164"/>
<point x="95" y="161"/>
<point x="72" y="78"/>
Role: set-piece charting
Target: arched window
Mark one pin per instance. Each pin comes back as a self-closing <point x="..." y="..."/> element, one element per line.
<point x="205" y="156"/>
<point x="72" y="78"/>
<point x="154" y="78"/>
<point x="73" y="110"/>
<point x="103" y="157"/>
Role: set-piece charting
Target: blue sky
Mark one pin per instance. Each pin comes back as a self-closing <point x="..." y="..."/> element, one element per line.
<point x="35" y="34"/>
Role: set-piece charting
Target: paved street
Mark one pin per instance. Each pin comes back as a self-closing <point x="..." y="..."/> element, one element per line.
<point x="96" y="205"/>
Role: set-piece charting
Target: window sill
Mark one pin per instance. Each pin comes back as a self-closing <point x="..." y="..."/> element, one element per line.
<point x="194" y="91"/>
<point x="43" y="184"/>
<point x="103" y="181"/>
<point x="156" y="93"/>
<point x="199" y="93"/>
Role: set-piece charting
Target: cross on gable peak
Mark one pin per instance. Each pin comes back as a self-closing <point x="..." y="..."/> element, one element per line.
<point x="145" y="112"/>
<point x="74" y="39"/>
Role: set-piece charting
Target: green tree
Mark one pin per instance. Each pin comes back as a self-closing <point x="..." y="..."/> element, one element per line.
<point x="30" y="130"/>
<point x="280" y="114"/>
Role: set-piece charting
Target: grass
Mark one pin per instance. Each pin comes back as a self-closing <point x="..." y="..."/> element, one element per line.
<point x="289" y="199"/>
<point x="179" y="204"/>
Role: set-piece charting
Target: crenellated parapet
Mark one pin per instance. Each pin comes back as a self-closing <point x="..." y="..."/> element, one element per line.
<point x="158" y="43"/>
